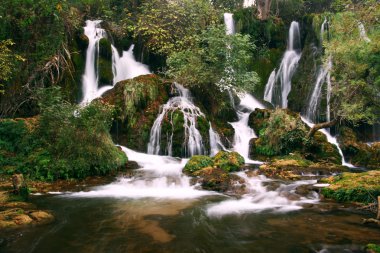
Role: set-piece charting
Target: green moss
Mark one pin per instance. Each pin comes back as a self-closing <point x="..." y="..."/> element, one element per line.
<point x="358" y="187"/>
<point x="197" y="163"/>
<point x="228" y="161"/>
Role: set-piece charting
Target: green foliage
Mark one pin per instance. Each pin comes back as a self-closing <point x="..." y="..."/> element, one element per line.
<point x="356" y="71"/>
<point x="228" y="161"/>
<point x="216" y="58"/>
<point x="67" y="141"/>
<point x="282" y="134"/>
<point x="197" y="162"/>
<point x="358" y="187"/>
<point x="7" y="62"/>
<point x="167" y="26"/>
<point x="375" y="248"/>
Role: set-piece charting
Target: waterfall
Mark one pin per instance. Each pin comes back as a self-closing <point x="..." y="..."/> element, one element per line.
<point x="90" y="77"/>
<point x="331" y="140"/>
<point x="159" y="177"/>
<point x="268" y="94"/>
<point x="243" y="133"/>
<point x="229" y="22"/>
<point x="215" y="142"/>
<point x="193" y="142"/>
<point x="323" y="27"/>
<point x="125" y="67"/>
<point x="363" y="33"/>
<point x="329" y="90"/>
<point x="280" y="85"/>
<point x="315" y="98"/>
<point x="249" y="3"/>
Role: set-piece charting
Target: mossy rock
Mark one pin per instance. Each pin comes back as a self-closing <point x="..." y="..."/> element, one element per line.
<point x="105" y="71"/>
<point x="228" y="161"/>
<point x="172" y="128"/>
<point x="197" y="163"/>
<point x="214" y="179"/>
<point x="137" y="103"/>
<point x="357" y="152"/>
<point x="105" y="50"/>
<point x="353" y="187"/>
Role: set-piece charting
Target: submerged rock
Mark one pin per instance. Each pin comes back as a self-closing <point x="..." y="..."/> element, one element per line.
<point x="217" y="179"/>
<point x="294" y="169"/>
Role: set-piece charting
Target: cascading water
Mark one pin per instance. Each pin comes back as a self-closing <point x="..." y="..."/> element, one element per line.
<point x="125" y="67"/>
<point x="281" y="85"/>
<point x="229" y="22"/>
<point x="259" y="198"/>
<point x="363" y="33"/>
<point x="268" y="93"/>
<point x="215" y="142"/>
<point x="243" y="133"/>
<point x="158" y="177"/>
<point x="90" y="77"/>
<point x="331" y="140"/>
<point x="249" y="3"/>
<point x="314" y="101"/>
<point x="193" y="142"/>
<point x="323" y="28"/>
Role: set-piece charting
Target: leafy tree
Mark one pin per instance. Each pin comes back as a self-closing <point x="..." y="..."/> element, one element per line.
<point x="216" y="58"/>
<point x="355" y="72"/>
<point x="7" y="61"/>
<point x="167" y="26"/>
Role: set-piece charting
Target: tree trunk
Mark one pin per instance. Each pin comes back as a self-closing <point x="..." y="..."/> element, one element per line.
<point x="316" y="127"/>
<point x="378" y="208"/>
<point x="264" y="8"/>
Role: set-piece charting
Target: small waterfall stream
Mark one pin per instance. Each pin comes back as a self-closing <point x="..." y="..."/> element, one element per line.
<point x="315" y="98"/>
<point x="90" y="77"/>
<point x="215" y="142"/>
<point x="363" y="33"/>
<point x="243" y="133"/>
<point x="249" y="3"/>
<point x="279" y="84"/>
<point x="123" y="67"/>
<point x="193" y="142"/>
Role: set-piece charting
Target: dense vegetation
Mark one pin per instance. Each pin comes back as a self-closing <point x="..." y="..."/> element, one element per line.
<point x="65" y="141"/>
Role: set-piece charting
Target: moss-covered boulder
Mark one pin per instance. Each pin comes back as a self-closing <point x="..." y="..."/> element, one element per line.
<point x="353" y="187"/>
<point x="197" y="163"/>
<point x="359" y="153"/>
<point x="137" y="103"/>
<point x="217" y="179"/>
<point x="228" y="161"/>
<point x="293" y="167"/>
<point x="282" y="132"/>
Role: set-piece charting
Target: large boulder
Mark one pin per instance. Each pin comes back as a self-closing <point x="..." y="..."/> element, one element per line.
<point x="197" y="163"/>
<point x="359" y="153"/>
<point x="228" y="161"/>
<point x="282" y="132"/>
<point x="217" y="179"/>
<point x="137" y="103"/>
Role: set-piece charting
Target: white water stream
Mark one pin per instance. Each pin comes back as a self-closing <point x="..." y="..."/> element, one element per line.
<point x="123" y="67"/>
<point x="260" y="199"/>
<point x="193" y="142"/>
<point x="243" y="133"/>
<point x="279" y="84"/>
